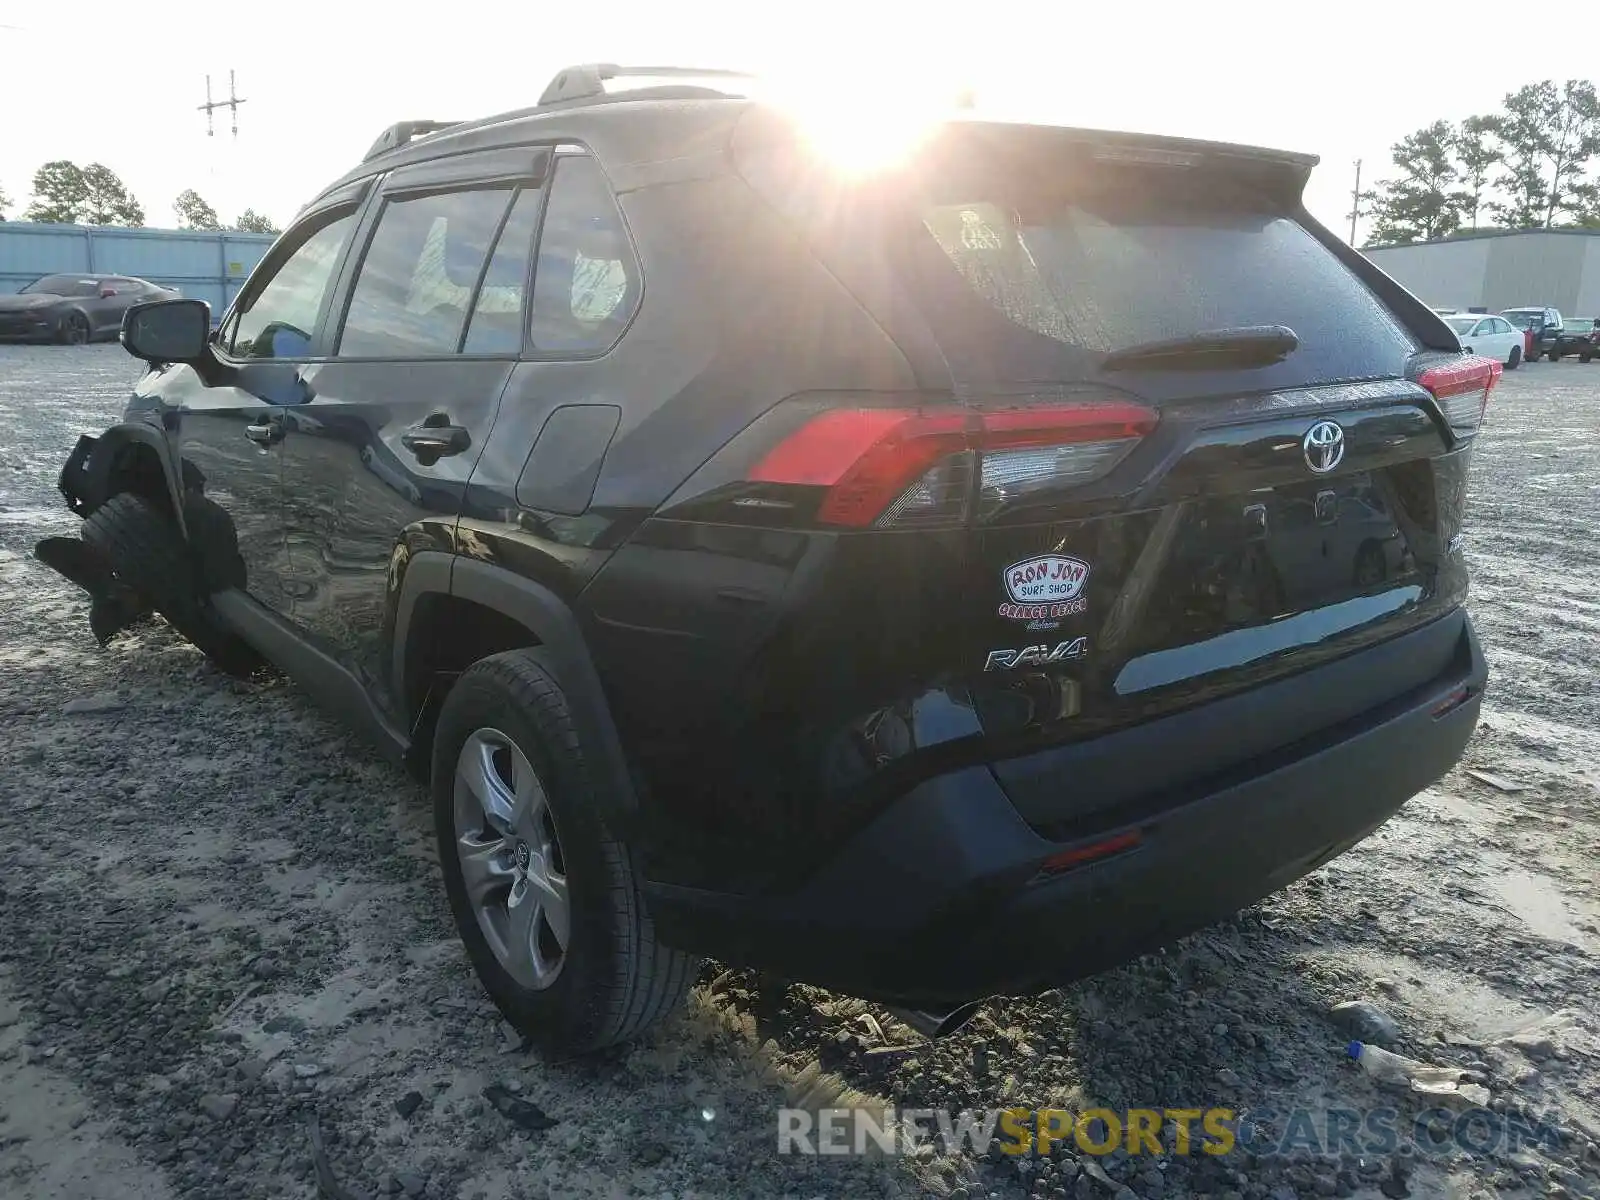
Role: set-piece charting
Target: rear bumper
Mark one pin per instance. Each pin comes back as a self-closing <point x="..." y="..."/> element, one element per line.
<point x="941" y="899"/>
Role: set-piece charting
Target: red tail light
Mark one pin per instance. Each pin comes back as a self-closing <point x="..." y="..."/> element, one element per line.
<point x="889" y="467"/>
<point x="1462" y="389"/>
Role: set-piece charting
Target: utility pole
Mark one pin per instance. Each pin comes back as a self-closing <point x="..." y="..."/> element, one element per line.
<point x="1355" y="203"/>
<point x="231" y="104"/>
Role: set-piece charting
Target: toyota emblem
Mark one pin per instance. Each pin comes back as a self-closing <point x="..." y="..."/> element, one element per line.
<point x="1323" y="446"/>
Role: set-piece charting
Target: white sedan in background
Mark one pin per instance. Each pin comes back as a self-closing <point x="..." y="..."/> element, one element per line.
<point x="1492" y="337"/>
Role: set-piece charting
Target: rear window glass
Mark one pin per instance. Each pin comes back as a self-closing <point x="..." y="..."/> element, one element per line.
<point x="1462" y="324"/>
<point x="1032" y="279"/>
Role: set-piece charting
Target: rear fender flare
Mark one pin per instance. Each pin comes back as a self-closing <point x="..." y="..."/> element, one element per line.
<point x="552" y="623"/>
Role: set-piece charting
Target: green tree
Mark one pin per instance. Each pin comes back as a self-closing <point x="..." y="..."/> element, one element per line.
<point x="59" y="193"/>
<point x="193" y="212"/>
<point x="1419" y="204"/>
<point x="250" y="221"/>
<point x="109" y="202"/>
<point x="1476" y="143"/>
<point x="1587" y="211"/>
<point x="5" y="203"/>
<point x="1551" y="135"/>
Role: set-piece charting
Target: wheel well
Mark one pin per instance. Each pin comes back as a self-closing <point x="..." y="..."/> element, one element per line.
<point x="137" y="468"/>
<point x="446" y="636"/>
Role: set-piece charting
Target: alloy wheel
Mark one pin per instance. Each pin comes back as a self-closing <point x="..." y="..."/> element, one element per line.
<point x="511" y="861"/>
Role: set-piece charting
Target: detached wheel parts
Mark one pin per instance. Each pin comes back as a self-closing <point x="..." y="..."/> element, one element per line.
<point x="147" y="553"/>
<point x="74" y="330"/>
<point x="545" y="898"/>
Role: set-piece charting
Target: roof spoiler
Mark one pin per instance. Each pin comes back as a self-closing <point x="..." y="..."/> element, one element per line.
<point x="587" y="81"/>
<point x="399" y="134"/>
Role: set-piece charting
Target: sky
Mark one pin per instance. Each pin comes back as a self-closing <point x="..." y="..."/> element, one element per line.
<point x="119" y="83"/>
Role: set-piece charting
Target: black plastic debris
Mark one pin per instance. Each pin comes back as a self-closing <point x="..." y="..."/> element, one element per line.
<point x="115" y="605"/>
<point x="522" y="1113"/>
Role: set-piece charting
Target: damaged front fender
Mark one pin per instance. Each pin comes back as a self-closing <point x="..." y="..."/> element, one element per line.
<point x="83" y="493"/>
<point x="127" y="457"/>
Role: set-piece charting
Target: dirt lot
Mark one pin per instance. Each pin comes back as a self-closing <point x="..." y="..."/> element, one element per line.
<point x="219" y="916"/>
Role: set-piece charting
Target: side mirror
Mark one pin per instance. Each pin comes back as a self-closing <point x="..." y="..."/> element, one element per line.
<point x="164" y="331"/>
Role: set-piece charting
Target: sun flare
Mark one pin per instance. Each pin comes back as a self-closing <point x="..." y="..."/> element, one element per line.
<point x="862" y="131"/>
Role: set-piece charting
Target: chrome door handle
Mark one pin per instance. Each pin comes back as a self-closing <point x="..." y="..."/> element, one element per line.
<point x="266" y="433"/>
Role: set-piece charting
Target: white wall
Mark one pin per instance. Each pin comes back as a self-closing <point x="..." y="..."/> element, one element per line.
<point x="1440" y="274"/>
<point x="1589" y="289"/>
<point x="1500" y="272"/>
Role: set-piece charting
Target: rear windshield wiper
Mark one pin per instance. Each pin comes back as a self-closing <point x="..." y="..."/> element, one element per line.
<point x="1246" y="346"/>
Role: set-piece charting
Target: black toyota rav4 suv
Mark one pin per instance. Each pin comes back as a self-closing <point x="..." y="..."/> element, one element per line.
<point x="930" y="583"/>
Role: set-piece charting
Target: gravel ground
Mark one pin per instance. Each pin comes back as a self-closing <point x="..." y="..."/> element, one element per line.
<point x="221" y="920"/>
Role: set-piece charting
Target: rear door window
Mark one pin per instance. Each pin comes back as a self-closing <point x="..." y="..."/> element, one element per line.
<point x="1026" y="276"/>
<point x="421" y="270"/>
<point x="496" y="323"/>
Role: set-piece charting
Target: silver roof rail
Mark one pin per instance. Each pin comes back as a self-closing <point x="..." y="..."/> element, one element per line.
<point x="587" y="81"/>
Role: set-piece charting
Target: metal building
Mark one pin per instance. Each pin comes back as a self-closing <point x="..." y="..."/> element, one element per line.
<point x="1499" y="270"/>
<point x="207" y="266"/>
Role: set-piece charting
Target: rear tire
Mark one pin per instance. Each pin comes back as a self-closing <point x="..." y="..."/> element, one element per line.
<point x="147" y="553"/>
<point x="505" y="733"/>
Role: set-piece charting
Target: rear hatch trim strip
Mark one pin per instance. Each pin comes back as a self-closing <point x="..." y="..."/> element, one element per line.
<point x="1239" y="647"/>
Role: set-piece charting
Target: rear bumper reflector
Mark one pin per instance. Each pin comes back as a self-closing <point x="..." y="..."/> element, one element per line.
<point x="1078" y="856"/>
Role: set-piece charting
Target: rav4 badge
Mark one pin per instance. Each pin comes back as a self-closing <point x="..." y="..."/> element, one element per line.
<point x="1041" y="655"/>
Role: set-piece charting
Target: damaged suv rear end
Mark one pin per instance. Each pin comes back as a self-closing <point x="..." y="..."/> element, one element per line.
<point x="1147" y="601"/>
<point x="930" y="583"/>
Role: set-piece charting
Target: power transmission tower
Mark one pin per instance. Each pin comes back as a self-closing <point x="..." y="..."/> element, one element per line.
<point x="231" y="104"/>
<point x="1355" y="203"/>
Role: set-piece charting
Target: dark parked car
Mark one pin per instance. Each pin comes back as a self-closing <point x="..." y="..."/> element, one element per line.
<point x="887" y="579"/>
<point x="73" y="308"/>
<point x="1542" y="327"/>
<point x="1580" y="338"/>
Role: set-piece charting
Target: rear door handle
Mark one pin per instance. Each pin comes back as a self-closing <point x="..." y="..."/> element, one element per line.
<point x="433" y="442"/>
<point x="268" y="432"/>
